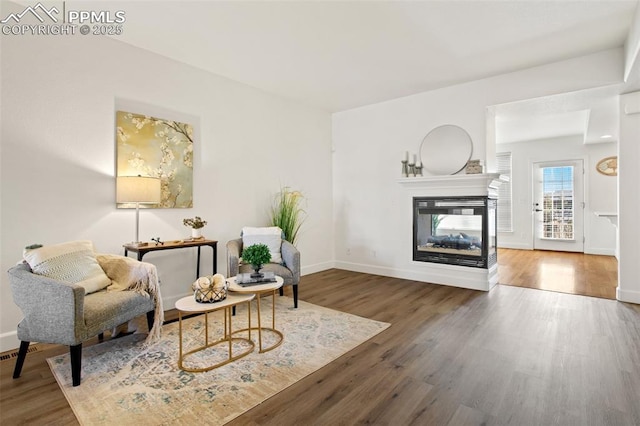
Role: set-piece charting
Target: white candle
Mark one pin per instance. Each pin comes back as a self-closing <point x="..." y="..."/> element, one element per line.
<point x="406" y="156"/>
<point x="414" y="158"/>
<point x="418" y="164"/>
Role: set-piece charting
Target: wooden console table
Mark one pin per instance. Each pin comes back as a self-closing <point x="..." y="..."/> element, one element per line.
<point x="170" y="245"/>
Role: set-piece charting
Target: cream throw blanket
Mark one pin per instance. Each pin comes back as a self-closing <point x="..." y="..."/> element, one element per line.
<point x="129" y="274"/>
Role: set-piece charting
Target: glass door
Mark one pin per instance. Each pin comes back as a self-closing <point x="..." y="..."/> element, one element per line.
<point x="558" y="207"/>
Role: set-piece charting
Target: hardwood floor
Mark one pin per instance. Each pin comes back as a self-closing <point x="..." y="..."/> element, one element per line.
<point x="574" y="273"/>
<point x="451" y="357"/>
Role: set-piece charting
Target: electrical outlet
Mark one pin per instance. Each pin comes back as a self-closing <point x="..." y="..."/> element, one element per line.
<point x="373" y="252"/>
<point x="348" y="252"/>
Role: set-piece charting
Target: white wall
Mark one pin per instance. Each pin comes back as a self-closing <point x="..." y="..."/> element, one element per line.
<point x="59" y="95"/>
<point x="373" y="217"/>
<point x="629" y="202"/>
<point x="600" y="190"/>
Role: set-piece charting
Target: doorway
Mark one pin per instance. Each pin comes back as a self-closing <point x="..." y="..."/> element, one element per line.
<point x="558" y="205"/>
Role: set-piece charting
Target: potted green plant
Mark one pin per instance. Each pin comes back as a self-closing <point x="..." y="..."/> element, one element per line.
<point x="257" y="255"/>
<point x="196" y="224"/>
<point x="287" y="214"/>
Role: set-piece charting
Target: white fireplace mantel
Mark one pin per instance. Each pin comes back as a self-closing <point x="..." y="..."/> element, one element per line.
<point x="485" y="184"/>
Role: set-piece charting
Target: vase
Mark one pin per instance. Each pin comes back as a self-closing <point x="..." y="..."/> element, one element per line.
<point x="196" y="233"/>
<point x="256" y="273"/>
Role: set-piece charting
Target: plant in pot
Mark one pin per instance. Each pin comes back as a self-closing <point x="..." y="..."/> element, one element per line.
<point x="257" y="255"/>
<point x="287" y="214"/>
<point x="196" y="224"/>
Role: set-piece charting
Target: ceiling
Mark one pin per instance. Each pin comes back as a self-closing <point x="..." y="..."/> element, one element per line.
<point x="339" y="55"/>
<point x="591" y="114"/>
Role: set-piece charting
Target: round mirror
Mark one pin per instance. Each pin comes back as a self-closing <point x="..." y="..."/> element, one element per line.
<point x="446" y="150"/>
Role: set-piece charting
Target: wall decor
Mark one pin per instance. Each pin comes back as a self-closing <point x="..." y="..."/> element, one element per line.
<point x="608" y="166"/>
<point x="445" y="150"/>
<point x="474" y="167"/>
<point x="157" y="147"/>
<point x="405" y="162"/>
<point x="411" y="166"/>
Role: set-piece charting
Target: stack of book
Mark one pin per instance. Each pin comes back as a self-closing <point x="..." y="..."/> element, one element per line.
<point x="247" y="279"/>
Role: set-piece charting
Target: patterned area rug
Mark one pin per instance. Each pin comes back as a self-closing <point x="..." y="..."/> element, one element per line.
<point x="127" y="383"/>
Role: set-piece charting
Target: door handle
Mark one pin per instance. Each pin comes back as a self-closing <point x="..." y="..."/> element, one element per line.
<point x="537" y="210"/>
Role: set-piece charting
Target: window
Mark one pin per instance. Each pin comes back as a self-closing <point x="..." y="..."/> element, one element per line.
<point x="505" y="211"/>
<point x="557" y="196"/>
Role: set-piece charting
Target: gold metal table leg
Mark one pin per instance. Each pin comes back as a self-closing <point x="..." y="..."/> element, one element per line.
<point x="228" y="337"/>
<point x="260" y="328"/>
<point x="180" y="339"/>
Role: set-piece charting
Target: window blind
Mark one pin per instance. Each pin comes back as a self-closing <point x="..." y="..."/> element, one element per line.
<point x="505" y="211"/>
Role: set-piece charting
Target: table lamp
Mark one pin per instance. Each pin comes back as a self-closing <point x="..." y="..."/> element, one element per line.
<point x="138" y="190"/>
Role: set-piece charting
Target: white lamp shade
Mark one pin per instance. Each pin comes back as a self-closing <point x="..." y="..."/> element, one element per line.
<point x="137" y="189"/>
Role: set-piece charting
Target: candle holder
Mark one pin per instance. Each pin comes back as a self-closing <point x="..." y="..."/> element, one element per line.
<point x="412" y="169"/>
<point x="405" y="169"/>
<point x="419" y="169"/>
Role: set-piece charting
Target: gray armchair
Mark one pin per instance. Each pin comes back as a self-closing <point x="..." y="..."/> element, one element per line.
<point x="60" y="313"/>
<point x="290" y="271"/>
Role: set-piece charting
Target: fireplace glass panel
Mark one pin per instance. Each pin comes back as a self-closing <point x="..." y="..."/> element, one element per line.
<point x="454" y="231"/>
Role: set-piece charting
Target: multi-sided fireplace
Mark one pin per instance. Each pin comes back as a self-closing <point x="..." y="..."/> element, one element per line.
<point x="455" y="230"/>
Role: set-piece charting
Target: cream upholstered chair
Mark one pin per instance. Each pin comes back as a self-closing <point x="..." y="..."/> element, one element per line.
<point x="61" y="312"/>
<point x="288" y="267"/>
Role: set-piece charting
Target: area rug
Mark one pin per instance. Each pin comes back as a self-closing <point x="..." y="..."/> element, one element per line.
<point x="126" y="382"/>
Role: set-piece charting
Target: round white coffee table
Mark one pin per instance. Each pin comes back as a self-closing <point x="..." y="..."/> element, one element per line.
<point x="258" y="290"/>
<point x="189" y="305"/>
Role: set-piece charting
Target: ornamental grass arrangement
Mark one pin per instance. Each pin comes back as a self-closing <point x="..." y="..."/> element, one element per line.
<point x="287" y="214"/>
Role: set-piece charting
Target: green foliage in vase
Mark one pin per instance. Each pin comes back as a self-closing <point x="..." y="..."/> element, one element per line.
<point x="256" y="254"/>
<point x="287" y="214"/>
<point x="435" y="222"/>
<point x="195" y="223"/>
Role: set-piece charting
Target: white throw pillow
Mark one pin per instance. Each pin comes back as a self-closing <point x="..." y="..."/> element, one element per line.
<point x="73" y="262"/>
<point x="270" y="236"/>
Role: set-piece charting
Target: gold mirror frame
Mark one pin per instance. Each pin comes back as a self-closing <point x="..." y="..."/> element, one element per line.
<point x="608" y="166"/>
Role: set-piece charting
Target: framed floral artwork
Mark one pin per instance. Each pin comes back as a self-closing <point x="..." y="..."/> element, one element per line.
<point x="157" y="147"/>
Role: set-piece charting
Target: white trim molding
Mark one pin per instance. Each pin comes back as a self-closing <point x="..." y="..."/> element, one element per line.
<point x="9" y="341"/>
<point x="629" y="296"/>
<point x="318" y="267"/>
<point x="433" y="273"/>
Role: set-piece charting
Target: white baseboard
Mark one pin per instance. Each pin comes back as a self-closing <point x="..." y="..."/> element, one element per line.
<point x="9" y="341"/>
<point x="629" y="296"/>
<point x="516" y="246"/>
<point x="318" y="267"/>
<point x="471" y="278"/>
<point x="587" y="250"/>
<point x="600" y="251"/>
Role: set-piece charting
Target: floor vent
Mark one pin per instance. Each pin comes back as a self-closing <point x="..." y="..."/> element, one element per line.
<point x="14" y="354"/>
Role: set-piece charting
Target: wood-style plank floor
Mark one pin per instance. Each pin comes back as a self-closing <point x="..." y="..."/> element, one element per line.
<point x="574" y="273"/>
<point x="513" y="356"/>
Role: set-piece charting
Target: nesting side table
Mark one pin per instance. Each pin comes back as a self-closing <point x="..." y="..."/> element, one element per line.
<point x="258" y="290"/>
<point x="189" y="305"/>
